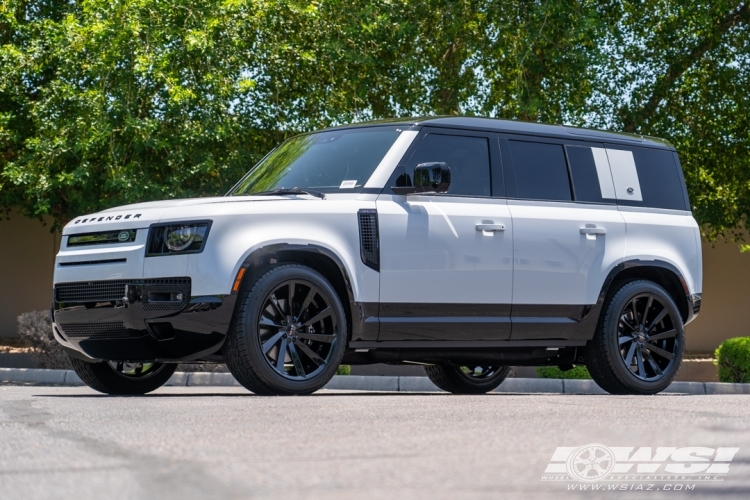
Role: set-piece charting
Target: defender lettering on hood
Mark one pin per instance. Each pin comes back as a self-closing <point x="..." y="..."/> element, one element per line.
<point x="107" y="218"/>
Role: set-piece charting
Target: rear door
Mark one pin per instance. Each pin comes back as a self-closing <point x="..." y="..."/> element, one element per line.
<point x="568" y="232"/>
<point x="442" y="277"/>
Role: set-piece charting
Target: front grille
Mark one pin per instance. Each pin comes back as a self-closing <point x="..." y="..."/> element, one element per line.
<point x="111" y="330"/>
<point x="102" y="238"/>
<point x="368" y="238"/>
<point x="114" y="290"/>
<point x="91" y="291"/>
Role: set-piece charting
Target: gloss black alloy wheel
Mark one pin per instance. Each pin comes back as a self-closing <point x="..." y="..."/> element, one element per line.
<point x="639" y="342"/>
<point x="289" y="332"/>
<point x="647" y="337"/>
<point x="123" y="377"/>
<point x="297" y="329"/>
<point x="471" y="379"/>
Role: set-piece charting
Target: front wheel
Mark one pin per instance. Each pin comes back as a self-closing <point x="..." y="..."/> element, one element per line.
<point x="638" y="345"/>
<point x="467" y="379"/>
<point x="290" y="332"/>
<point x="123" y="378"/>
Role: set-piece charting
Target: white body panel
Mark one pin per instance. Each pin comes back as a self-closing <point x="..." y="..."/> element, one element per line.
<point x="431" y="251"/>
<point x="666" y="235"/>
<point x="554" y="262"/>
<point x="240" y="226"/>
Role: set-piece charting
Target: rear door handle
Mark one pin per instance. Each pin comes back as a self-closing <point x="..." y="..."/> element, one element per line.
<point x="490" y="227"/>
<point x="592" y="229"/>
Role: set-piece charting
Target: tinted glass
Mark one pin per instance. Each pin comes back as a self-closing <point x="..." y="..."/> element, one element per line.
<point x="326" y="161"/>
<point x="661" y="183"/>
<point x="541" y="171"/>
<point x="467" y="157"/>
<point x="585" y="177"/>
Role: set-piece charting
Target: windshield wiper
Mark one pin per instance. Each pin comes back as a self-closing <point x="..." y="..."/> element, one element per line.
<point x="295" y="190"/>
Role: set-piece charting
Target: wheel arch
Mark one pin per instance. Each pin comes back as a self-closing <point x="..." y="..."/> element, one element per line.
<point x="316" y="257"/>
<point x="665" y="274"/>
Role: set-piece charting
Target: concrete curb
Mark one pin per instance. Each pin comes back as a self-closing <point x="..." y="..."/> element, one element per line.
<point x="33" y="376"/>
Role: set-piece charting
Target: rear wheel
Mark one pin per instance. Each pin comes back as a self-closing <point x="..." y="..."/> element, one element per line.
<point x="290" y="332"/>
<point x="639" y="344"/>
<point x="467" y="379"/>
<point x="123" y="378"/>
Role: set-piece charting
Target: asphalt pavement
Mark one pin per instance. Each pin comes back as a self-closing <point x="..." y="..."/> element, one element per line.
<point x="223" y="442"/>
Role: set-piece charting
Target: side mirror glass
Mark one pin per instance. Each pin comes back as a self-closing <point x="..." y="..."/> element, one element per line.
<point x="432" y="177"/>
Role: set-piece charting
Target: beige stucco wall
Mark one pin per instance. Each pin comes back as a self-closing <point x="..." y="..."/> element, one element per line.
<point x="27" y="259"/>
<point x="726" y="297"/>
<point x="27" y="253"/>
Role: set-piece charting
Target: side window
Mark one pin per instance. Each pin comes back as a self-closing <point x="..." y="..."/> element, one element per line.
<point x="592" y="180"/>
<point x="541" y="171"/>
<point x="467" y="157"/>
<point x="657" y="178"/>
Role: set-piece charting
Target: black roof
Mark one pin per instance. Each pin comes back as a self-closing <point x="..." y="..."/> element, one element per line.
<point x="520" y="127"/>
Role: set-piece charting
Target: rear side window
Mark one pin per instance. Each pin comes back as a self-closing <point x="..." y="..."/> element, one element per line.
<point x="467" y="157"/>
<point x="541" y="171"/>
<point x="592" y="180"/>
<point x="660" y="182"/>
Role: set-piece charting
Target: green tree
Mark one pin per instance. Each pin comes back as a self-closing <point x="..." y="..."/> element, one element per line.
<point x="104" y="103"/>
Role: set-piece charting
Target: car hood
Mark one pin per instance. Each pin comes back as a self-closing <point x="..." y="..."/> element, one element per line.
<point x="140" y="215"/>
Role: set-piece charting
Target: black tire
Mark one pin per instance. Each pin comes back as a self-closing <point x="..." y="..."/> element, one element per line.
<point x="266" y="325"/>
<point x="109" y="379"/>
<point x="462" y="380"/>
<point x="639" y="342"/>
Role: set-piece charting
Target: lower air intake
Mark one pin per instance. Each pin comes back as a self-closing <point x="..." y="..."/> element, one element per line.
<point x="110" y="330"/>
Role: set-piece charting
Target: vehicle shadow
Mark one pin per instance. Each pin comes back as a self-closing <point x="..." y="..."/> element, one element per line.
<point x="315" y="395"/>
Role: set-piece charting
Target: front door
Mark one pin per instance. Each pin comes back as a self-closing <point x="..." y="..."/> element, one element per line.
<point x="446" y="259"/>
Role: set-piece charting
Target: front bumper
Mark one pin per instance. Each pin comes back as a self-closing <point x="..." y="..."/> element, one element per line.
<point x="153" y="319"/>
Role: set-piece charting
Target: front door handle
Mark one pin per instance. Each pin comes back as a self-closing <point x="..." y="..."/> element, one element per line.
<point x="592" y="229"/>
<point x="490" y="227"/>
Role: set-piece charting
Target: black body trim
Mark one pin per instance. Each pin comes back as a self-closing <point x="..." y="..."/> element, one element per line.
<point x="443" y="322"/>
<point x="465" y="344"/>
<point x="92" y="262"/>
<point x="479" y="124"/>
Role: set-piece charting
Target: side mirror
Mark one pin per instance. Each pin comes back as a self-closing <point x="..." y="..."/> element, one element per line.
<point x="432" y="177"/>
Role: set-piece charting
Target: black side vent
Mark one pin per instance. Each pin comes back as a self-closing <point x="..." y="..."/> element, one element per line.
<point x="369" y="239"/>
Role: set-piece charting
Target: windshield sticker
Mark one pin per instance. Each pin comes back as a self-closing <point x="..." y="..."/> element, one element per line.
<point x="348" y="184"/>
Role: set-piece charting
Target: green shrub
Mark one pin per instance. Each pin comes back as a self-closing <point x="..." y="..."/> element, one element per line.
<point x="733" y="360"/>
<point x="343" y="370"/>
<point x="578" y="372"/>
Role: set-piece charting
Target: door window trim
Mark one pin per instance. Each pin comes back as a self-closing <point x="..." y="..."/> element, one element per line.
<point x="494" y="156"/>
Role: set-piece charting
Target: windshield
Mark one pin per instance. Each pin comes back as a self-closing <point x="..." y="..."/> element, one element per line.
<point x="336" y="161"/>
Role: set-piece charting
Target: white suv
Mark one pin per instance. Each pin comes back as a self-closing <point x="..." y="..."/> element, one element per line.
<point x="463" y="244"/>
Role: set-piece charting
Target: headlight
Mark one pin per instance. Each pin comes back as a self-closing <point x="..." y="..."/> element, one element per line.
<point x="181" y="238"/>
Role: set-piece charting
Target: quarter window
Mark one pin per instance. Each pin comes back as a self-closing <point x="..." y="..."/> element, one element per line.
<point x="467" y="157"/>
<point x="661" y="184"/>
<point x="541" y="171"/>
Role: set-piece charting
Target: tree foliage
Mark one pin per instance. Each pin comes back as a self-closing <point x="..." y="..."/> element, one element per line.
<point x="109" y="102"/>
